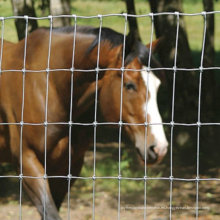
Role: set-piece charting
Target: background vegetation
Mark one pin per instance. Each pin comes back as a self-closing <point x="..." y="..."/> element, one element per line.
<point x="187" y="94"/>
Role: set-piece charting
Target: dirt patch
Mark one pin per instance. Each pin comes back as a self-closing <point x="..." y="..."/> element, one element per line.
<point x="131" y="199"/>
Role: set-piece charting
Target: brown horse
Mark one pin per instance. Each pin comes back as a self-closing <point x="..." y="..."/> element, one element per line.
<point x="41" y="118"/>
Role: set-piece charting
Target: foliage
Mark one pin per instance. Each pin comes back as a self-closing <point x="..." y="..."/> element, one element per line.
<point x="194" y="27"/>
<point x="108" y="167"/>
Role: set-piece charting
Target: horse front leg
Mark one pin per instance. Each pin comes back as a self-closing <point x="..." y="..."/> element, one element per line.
<point x="38" y="188"/>
<point x="59" y="186"/>
<point x="60" y="166"/>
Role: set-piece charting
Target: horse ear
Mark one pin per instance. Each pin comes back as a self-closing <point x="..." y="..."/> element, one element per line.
<point x="88" y="97"/>
<point x="129" y="44"/>
<point x="156" y="44"/>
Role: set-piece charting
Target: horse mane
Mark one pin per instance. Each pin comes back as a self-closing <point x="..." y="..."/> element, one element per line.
<point x="115" y="39"/>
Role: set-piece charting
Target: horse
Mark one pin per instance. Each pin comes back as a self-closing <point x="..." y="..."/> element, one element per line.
<point x="47" y="109"/>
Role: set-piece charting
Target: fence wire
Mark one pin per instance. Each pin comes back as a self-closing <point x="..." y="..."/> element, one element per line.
<point x="95" y="124"/>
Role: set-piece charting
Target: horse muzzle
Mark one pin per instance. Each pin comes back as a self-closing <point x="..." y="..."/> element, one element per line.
<point x="155" y="153"/>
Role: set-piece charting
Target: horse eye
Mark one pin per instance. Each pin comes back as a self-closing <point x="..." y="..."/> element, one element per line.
<point x="130" y="86"/>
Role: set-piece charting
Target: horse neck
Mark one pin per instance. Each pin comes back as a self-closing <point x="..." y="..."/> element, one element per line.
<point x="107" y="57"/>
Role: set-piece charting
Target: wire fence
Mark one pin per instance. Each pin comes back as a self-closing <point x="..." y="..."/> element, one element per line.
<point x="95" y="124"/>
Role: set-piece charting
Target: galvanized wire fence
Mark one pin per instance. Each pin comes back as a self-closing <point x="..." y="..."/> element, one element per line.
<point x="70" y="123"/>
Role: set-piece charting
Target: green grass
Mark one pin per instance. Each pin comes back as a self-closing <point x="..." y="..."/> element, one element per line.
<point x="108" y="167"/>
<point x="194" y="25"/>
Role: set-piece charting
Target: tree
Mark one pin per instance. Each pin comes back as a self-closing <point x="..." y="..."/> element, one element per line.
<point x="26" y="7"/>
<point x="209" y="57"/>
<point x="132" y="21"/>
<point x="186" y="90"/>
<point x="60" y="7"/>
<point x="210" y="92"/>
<point x="21" y="8"/>
<point x="186" y="83"/>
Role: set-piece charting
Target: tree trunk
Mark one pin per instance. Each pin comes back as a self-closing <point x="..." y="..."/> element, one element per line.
<point x="186" y="89"/>
<point x="186" y="92"/>
<point x="210" y="92"/>
<point x="133" y="26"/>
<point x="209" y="55"/>
<point x="20" y="8"/>
<point x="45" y="6"/>
<point x="60" y="7"/>
<point x="165" y="25"/>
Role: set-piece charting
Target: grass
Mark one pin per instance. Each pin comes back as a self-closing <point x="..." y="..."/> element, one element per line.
<point x="129" y="167"/>
<point x="194" y="25"/>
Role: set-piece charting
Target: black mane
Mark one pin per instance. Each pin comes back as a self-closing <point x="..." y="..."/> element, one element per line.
<point x="108" y="34"/>
<point x="138" y="49"/>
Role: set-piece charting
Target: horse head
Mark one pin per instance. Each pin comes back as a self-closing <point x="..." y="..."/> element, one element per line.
<point x="140" y="114"/>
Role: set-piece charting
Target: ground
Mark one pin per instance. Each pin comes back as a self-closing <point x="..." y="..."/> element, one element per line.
<point x="132" y="198"/>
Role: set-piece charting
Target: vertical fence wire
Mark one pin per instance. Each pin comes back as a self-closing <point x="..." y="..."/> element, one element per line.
<point x="22" y="117"/>
<point x="120" y="115"/>
<point x="70" y="118"/>
<point x="172" y="114"/>
<point x="95" y="116"/>
<point x="199" y="118"/>
<point x="2" y="44"/>
<point x="46" y="115"/>
<point x="147" y="71"/>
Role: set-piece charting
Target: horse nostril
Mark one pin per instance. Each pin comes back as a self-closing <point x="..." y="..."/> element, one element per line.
<point x="152" y="154"/>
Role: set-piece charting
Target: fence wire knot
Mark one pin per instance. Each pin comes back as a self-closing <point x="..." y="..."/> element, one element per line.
<point x="177" y="14"/>
<point x="122" y="69"/>
<point x="201" y="69"/>
<point x="100" y="17"/>
<point x="125" y="15"/>
<point x="171" y="178"/>
<point x="151" y="15"/>
<point x="26" y="17"/>
<point x="204" y="13"/>
<point x="69" y="177"/>
<point x="95" y="123"/>
<point x="21" y="176"/>
<point x="174" y="68"/>
<point x="50" y="17"/>
<point x="45" y="176"/>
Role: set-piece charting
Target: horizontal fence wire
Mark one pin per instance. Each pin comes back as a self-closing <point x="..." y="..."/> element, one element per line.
<point x="198" y="124"/>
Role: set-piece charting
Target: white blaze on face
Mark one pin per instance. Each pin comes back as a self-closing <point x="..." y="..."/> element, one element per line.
<point x="153" y="83"/>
